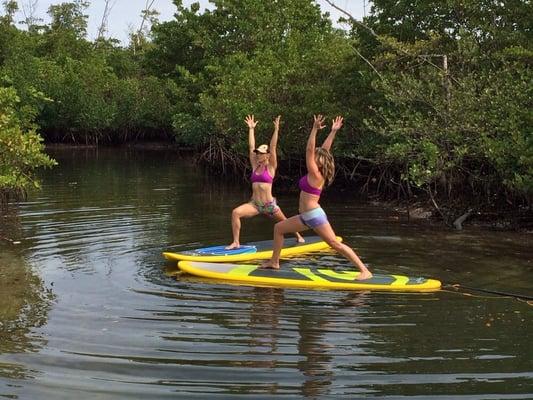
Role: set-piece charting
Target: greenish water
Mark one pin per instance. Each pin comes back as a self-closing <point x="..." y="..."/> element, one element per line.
<point x="89" y="308"/>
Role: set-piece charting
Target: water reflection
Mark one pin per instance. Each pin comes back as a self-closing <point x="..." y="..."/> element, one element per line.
<point x="264" y="326"/>
<point x="24" y="306"/>
<point x="316" y="365"/>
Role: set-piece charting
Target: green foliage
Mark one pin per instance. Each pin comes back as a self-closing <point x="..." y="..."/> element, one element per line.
<point x="143" y="108"/>
<point x="89" y="94"/>
<point x="412" y="121"/>
<point x="69" y="17"/>
<point x="91" y="104"/>
<point x="272" y="83"/>
<point x="406" y="115"/>
<point x="10" y="8"/>
<point x="261" y="57"/>
<point x="466" y="129"/>
<point x="80" y="93"/>
<point x="65" y="36"/>
<point x="21" y="152"/>
<point x="494" y="23"/>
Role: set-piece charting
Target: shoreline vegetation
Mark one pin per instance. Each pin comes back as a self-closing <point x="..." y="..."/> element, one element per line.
<point x="436" y="97"/>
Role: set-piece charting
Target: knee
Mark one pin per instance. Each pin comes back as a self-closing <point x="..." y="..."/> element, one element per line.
<point x="334" y="244"/>
<point x="278" y="228"/>
<point x="235" y="214"/>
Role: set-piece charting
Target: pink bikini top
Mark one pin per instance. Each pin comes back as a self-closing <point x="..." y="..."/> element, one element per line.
<point x="263" y="177"/>
<point x="307" y="188"/>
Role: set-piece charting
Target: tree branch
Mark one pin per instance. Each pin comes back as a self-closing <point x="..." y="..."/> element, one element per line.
<point x="103" y="24"/>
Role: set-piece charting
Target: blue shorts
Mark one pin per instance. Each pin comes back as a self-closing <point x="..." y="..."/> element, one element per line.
<point x="314" y="218"/>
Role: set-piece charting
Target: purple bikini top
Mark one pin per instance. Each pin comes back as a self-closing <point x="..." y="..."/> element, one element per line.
<point x="307" y="188"/>
<point x="263" y="177"/>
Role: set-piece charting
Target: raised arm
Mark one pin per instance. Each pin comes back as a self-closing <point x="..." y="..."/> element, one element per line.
<point x="251" y="123"/>
<point x="337" y="124"/>
<point x="310" y="161"/>
<point x="274" y="143"/>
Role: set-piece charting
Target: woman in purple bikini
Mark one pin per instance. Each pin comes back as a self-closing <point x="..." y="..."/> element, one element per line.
<point x="264" y="163"/>
<point x="320" y="172"/>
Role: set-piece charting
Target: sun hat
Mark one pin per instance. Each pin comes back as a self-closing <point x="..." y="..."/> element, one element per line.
<point x="263" y="149"/>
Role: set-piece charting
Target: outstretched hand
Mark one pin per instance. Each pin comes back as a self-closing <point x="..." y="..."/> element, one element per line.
<point x="250" y="121"/>
<point x="337" y="123"/>
<point x="319" y="122"/>
<point x="277" y="122"/>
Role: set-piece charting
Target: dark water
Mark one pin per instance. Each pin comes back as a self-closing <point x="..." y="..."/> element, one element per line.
<point x="90" y="310"/>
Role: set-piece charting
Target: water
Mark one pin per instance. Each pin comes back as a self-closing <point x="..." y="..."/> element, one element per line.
<point x="89" y="309"/>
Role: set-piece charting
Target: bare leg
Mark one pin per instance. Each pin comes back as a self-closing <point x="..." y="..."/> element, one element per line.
<point x="245" y="210"/>
<point x="279" y="216"/>
<point x="326" y="232"/>
<point x="290" y="225"/>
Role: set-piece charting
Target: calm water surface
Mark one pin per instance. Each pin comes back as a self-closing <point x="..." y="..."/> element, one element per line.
<point x="90" y="310"/>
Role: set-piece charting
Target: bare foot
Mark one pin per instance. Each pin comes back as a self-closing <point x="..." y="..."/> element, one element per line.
<point x="234" y="245"/>
<point x="269" y="265"/>
<point x="364" y="275"/>
<point x="300" y="238"/>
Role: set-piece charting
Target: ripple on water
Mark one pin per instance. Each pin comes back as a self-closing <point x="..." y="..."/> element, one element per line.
<point x="122" y="326"/>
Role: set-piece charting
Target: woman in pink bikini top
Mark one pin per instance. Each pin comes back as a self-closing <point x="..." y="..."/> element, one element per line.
<point x="261" y="177"/>
<point x="304" y="186"/>
<point x="264" y="162"/>
<point x="320" y="172"/>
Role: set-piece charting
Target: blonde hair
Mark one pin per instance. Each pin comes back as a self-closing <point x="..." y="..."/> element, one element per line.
<point x="326" y="164"/>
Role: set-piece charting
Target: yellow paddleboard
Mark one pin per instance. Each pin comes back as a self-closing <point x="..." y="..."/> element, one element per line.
<point x="249" y="251"/>
<point x="306" y="277"/>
